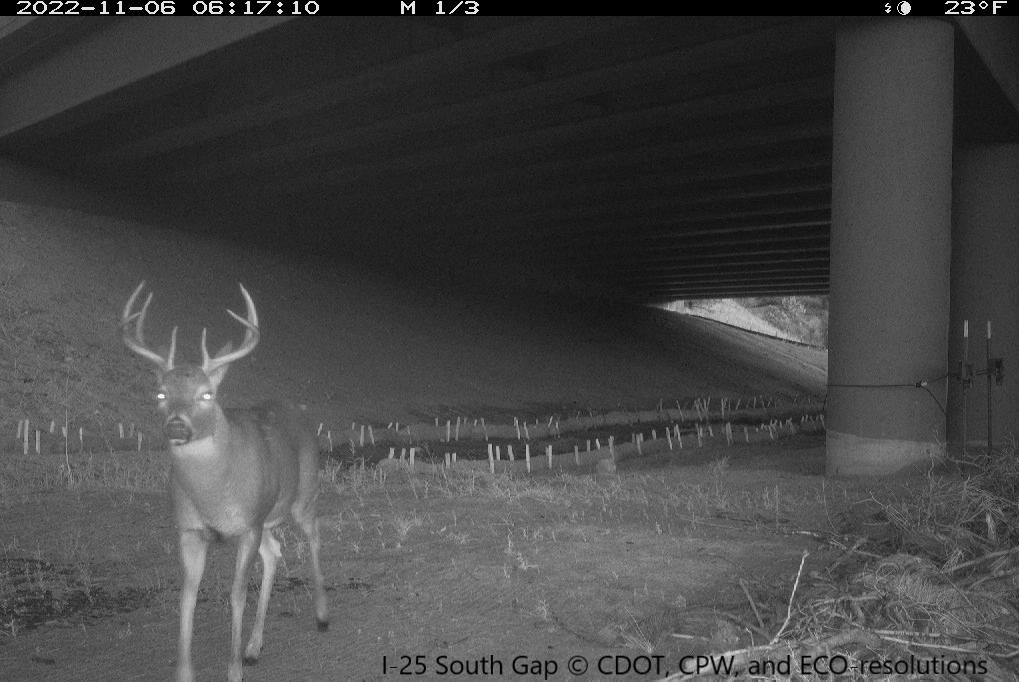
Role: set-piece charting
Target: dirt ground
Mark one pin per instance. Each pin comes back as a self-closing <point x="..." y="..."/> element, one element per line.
<point x="460" y="569"/>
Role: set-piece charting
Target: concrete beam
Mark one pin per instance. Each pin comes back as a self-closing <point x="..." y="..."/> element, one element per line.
<point x="807" y="280"/>
<point x="736" y="291"/>
<point x="68" y="89"/>
<point x="996" y="40"/>
<point x="732" y="274"/>
<point x="453" y="57"/>
<point x="640" y="272"/>
<point x="390" y="136"/>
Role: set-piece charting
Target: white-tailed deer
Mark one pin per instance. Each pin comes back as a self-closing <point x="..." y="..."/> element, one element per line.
<point x="235" y="474"/>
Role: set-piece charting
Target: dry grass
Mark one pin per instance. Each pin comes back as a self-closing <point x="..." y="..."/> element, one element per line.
<point x="925" y="577"/>
<point x="145" y="471"/>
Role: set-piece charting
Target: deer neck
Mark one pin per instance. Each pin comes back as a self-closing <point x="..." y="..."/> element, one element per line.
<point x="201" y="462"/>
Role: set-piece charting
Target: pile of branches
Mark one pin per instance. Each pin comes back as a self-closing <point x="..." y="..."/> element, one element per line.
<point x="926" y="585"/>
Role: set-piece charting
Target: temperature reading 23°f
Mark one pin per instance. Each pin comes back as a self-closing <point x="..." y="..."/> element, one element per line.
<point x="458" y="7"/>
<point x="975" y="7"/>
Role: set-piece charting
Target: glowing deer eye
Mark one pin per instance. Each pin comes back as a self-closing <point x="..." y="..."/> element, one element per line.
<point x="207" y="395"/>
<point x="161" y="396"/>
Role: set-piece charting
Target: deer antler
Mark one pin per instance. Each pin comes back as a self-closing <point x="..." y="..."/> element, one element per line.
<point x="250" y="337"/>
<point x="136" y="341"/>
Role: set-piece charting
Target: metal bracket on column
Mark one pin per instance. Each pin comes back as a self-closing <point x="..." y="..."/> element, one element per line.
<point x="966" y="374"/>
<point x="996" y="368"/>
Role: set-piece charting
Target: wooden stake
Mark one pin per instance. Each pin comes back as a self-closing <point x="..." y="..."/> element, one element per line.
<point x="548" y="453"/>
<point x="527" y="456"/>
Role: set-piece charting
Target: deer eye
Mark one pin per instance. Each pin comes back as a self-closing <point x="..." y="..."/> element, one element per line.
<point x="161" y="395"/>
<point x="207" y="395"/>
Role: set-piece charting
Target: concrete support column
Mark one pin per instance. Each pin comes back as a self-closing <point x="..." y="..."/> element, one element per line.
<point x="985" y="286"/>
<point x="890" y="245"/>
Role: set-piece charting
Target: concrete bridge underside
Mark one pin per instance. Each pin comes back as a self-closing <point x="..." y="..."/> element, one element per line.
<point x="638" y="159"/>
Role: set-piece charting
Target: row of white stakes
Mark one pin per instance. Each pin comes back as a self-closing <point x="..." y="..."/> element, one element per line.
<point x="25" y="434"/>
<point x="673" y="435"/>
<point x="701" y="407"/>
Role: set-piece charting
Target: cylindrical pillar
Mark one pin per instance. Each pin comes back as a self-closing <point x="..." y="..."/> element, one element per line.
<point x="890" y="245"/>
<point x="985" y="286"/>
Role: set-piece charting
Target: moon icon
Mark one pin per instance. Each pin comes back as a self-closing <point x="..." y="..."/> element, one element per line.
<point x="903" y="8"/>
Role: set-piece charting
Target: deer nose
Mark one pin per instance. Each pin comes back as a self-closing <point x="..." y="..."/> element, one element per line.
<point x="177" y="430"/>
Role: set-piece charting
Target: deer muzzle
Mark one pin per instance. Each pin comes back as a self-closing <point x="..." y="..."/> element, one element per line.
<point x="177" y="431"/>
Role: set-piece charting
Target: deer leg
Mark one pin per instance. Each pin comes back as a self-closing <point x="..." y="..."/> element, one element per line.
<point x="269" y="550"/>
<point x="246" y="545"/>
<point x="193" y="546"/>
<point x="309" y="524"/>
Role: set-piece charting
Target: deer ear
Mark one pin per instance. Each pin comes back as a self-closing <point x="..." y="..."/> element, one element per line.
<point x="216" y="376"/>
